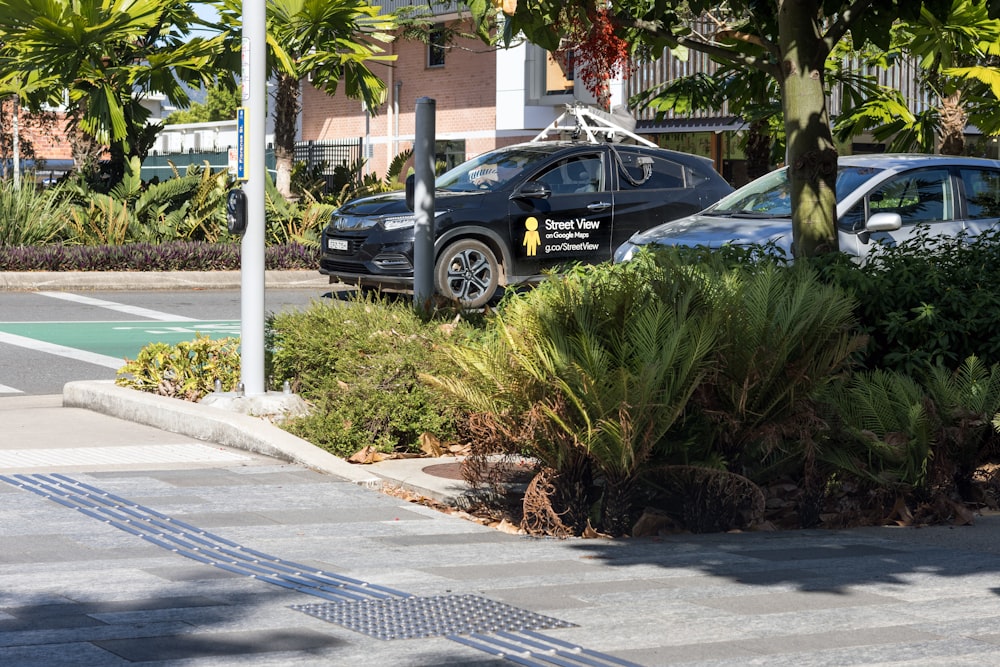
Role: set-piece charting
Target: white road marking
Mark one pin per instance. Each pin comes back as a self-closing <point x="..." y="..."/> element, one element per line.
<point x="62" y="351"/>
<point x="4" y="389"/>
<point x="119" y="307"/>
<point x="129" y="454"/>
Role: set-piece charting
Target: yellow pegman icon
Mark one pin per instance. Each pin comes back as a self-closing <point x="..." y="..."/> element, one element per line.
<point x="531" y="238"/>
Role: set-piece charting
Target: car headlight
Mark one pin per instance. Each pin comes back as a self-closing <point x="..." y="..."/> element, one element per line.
<point x="403" y="221"/>
<point x="398" y="222"/>
<point x="625" y="252"/>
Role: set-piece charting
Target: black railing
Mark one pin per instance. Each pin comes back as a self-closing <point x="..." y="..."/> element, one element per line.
<point x="323" y="156"/>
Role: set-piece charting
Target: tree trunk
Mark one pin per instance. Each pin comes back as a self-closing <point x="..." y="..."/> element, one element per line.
<point x="953" y="119"/>
<point x="758" y="149"/>
<point x="811" y="155"/>
<point x="286" y="114"/>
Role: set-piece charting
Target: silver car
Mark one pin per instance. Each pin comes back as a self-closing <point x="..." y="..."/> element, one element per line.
<point x="880" y="199"/>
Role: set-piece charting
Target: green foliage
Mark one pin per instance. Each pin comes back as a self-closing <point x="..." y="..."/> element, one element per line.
<point x="106" y="57"/>
<point x="292" y="222"/>
<point x="357" y="362"/>
<point x="926" y="300"/>
<point x="885" y="433"/>
<point x="358" y="184"/>
<point x="682" y="358"/>
<point x="785" y="337"/>
<point x="924" y="435"/>
<point x="30" y="216"/>
<point x="220" y="104"/>
<point x="187" y="370"/>
<point x="188" y="206"/>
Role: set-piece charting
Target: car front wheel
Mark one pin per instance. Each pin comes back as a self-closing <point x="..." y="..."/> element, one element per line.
<point x="467" y="271"/>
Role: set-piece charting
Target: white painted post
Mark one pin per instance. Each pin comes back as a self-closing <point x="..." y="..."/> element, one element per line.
<point x="254" y="82"/>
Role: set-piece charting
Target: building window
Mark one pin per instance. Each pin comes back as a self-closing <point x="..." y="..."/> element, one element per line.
<point x="559" y="74"/>
<point x="436" y="45"/>
<point x="448" y="154"/>
<point x="549" y="78"/>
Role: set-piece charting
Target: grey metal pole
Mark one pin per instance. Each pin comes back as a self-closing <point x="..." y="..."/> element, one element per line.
<point x="423" y="205"/>
<point x="252" y="251"/>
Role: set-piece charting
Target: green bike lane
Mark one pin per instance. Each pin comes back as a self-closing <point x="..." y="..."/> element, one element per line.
<point x="114" y="339"/>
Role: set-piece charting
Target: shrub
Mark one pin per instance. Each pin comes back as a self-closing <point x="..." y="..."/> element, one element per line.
<point x="173" y="256"/>
<point x="187" y="370"/>
<point x="675" y="359"/>
<point x="926" y="301"/>
<point x="358" y="362"/>
<point x="29" y="216"/>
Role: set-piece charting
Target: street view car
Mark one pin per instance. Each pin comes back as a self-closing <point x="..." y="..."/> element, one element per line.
<point x="507" y="215"/>
<point x="880" y="199"/>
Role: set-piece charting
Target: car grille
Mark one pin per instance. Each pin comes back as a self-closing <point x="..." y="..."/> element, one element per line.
<point x="351" y="223"/>
<point x="343" y="265"/>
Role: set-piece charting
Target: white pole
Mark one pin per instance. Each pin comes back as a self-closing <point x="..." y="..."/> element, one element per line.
<point x="16" y="142"/>
<point x="252" y="251"/>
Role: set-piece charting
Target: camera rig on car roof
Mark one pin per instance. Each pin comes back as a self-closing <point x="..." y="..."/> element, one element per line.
<point x="595" y="125"/>
<point x="599" y="126"/>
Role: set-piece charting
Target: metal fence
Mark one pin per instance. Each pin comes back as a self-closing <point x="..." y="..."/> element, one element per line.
<point x="323" y="156"/>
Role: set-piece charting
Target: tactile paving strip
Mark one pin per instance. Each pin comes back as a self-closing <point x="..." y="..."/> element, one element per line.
<point x="436" y="616"/>
<point x="492" y="627"/>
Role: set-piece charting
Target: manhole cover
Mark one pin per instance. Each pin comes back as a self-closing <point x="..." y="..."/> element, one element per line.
<point x="507" y="473"/>
<point x="437" y="616"/>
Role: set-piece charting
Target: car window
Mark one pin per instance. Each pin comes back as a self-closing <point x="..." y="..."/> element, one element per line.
<point x="920" y="196"/>
<point x="579" y="173"/>
<point x="982" y="193"/>
<point x="491" y="171"/>
<point x="665" y="174"/>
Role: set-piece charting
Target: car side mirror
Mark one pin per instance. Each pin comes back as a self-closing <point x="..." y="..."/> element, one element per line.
<point x="410" y="181"/>
<point x="884" y="222"/>
<point x="534" y="190"/>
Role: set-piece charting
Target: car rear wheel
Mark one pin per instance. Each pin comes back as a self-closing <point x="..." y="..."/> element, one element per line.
<point x="468" y="272"/>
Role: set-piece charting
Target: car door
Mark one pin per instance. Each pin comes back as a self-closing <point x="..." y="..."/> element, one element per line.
<point x="925" y="200"/>
<point x="669" y="190"/>
<point x="567" y="218"/>
<point x="980" y="189"/>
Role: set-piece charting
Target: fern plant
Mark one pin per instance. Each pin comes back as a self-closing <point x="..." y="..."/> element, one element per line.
<point x="885" y="430"/>
<point x="965" y="402"/>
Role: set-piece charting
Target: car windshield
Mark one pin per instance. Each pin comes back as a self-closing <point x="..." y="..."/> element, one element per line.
<point x="491" y="171"/>
<point x="769" y="195"/>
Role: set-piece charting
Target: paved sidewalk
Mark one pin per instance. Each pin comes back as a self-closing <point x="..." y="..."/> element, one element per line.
<point x="145" y="531"/>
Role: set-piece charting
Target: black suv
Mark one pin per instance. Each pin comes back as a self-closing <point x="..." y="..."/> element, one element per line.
<point x="507" y="215"/>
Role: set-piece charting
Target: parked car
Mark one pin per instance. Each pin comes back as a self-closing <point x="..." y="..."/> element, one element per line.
<point x="880" y="199"/>
<point x="507" y="215"/>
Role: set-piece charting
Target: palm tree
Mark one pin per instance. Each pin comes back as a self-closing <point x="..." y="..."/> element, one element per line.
<point x="959" y="60"/>
<point x="327" y="40"/>
<point x="107" y="55"/>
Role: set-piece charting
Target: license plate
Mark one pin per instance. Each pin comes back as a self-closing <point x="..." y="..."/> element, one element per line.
<point x="336" y="244"/>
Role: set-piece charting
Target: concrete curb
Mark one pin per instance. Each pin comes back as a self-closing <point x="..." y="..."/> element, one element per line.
<point x="122" y="280"/>
<point x="203" y="422"/>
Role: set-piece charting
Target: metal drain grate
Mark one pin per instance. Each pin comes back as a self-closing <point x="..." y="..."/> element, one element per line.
<point x="436" y="616"/>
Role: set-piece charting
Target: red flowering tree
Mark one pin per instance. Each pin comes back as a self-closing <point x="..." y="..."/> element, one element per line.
<point x="592" y="45"/>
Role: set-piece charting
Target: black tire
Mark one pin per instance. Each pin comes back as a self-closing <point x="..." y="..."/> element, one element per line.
<point x="467" y="271"/>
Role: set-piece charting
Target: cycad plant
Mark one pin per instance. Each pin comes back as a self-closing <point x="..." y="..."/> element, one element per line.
<point x="966" y="401"/>
<point x="786" y="335"/>
<point x="921" y="439"/>
<point x="608" y="365"/>
<point x="884" y="430"/>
